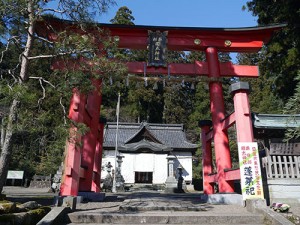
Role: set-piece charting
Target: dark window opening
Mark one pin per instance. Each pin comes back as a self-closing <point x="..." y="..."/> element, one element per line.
<point x="143" y="177"/>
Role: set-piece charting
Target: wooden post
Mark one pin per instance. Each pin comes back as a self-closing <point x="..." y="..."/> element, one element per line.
<point x="242" y="111"/>
<point x="70" y="178"/>
<point x="98" y="157"/>
<point x="207" y="168"/>
<point x="221" y="142"/>
<point x="90" y="139"/>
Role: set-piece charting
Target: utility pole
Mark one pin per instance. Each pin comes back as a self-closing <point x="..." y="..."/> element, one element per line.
<point x="114" y="189"/>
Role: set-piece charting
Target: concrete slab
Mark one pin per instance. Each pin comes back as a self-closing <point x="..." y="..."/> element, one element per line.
<point x="227" y="199"/>
<point x="92" y="196"/>
<point x="55" y="216"/>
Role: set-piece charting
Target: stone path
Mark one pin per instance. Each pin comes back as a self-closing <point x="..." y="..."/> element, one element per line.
<point x="148" y="207"/>
<point x="160" y="208"/>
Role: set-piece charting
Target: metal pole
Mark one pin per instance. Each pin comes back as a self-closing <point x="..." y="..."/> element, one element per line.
<point x="114" y="189"/>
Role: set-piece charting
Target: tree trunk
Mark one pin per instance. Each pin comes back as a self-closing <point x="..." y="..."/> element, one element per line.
<point x="2" y="132"/>
<point x="7" y="144"/>
<point x="29" y="42"/>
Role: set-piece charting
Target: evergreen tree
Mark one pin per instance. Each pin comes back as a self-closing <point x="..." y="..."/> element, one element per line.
<point x="123" y="16"/>
<point x="26" y="80"/>
<point x="293" y="107"/>
<point x="262" y="97"/>
<point x="280" y="59"/>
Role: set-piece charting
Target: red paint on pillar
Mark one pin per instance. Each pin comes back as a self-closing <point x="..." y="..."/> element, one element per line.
<point x="243" y="119"/>
<point x="221" y="142"/>
<point x="98" y="160"/>
<point x="90" y="139"/>
<point x="207" y="167"/>
<point x="70" y="179"/>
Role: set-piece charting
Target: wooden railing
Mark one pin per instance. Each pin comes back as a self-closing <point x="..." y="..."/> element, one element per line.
<point x="282" y="166"/>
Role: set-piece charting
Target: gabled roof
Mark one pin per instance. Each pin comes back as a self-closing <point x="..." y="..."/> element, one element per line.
<point x="273" y="125"/>
<point x="154" y="137"/>
<point x="143" y="131"/>
<point x="275" y="121"/>
<point x="144" y="146"/>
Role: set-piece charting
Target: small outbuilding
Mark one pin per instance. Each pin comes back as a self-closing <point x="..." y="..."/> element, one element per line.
<point x="145" y="148"/>
<point x="280" y="159"/>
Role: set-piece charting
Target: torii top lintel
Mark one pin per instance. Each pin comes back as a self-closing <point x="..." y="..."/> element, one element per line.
<point x="249" y="39"/>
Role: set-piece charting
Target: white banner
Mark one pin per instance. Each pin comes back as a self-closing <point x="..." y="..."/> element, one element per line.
<point x="251" y="182"/>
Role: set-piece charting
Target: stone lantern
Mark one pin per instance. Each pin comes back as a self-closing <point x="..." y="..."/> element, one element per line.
<point x="119" y="178"/>
<point x="171" y="183"/>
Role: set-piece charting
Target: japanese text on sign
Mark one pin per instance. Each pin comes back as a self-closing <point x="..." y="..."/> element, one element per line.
<point x="251" y="182"/>
<point x="279" y="147"/>
<point x="157" y="43"/>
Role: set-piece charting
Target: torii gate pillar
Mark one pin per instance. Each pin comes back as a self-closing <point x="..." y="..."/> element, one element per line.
<point x="207" y="166"/>
<point x="98" y="157"/>
<point x="243" y="121"/>
<point x="221" y="142"/>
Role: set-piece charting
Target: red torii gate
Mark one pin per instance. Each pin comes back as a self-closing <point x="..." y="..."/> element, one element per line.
<point x="82" y="166"/>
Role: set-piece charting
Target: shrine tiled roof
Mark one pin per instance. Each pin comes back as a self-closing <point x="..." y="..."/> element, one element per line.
<point x="275" y="121"/>
<point x="159" y="136"/>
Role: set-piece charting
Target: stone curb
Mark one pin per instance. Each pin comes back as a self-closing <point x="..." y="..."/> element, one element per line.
<point x="55" y="216"/>
<point x="163" y="218"/>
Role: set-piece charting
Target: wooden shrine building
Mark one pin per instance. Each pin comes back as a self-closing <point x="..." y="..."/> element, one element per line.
<point x="145" y="148"/>
<point x="280" y="159"/>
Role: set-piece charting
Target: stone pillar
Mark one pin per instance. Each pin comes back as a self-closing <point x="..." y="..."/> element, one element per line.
<point x="243" y="121"/>
<point x="171" y="183"/>
<point x="207" y="167"/>
<point x="119" y="178"/>
<point x="221" y="142"/>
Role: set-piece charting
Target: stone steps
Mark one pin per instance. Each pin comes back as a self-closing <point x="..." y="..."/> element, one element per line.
<point x="164" y="217"/>
<point x="155" y="224"/>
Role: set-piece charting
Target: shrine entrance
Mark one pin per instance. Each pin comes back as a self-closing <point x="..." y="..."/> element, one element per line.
<point x="143" y="177"/>
<point x="82" y="168"/>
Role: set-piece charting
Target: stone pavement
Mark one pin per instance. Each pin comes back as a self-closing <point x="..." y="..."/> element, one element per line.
<point x="156" y="207"/>
<point x="160" y="208"/>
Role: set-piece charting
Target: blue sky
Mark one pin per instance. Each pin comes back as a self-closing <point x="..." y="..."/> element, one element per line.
<point x="188" y="13"/>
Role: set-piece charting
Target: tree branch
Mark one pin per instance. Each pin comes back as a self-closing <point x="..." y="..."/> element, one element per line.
<point x="44" y="39"/>
<point x="64" y="110"/>
<point x="54" y="10"/>
<point x="58" y="54"/>
<point x="13" y="38"/>
<point x="41" y="78"/>
<point x="44" y="92"/>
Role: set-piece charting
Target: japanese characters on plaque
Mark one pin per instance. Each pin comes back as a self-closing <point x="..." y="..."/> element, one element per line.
<point x="157" y="45"/>
<point x="278" y="147"/>
<point x="251" y="182"/>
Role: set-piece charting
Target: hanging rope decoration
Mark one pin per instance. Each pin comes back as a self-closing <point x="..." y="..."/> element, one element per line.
<point x="127" y="81"/>
<point x="145" y="72"/>
<point x="182" y="83"/>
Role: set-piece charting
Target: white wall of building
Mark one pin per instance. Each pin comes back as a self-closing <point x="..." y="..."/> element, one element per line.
<point x="148" y="162"/>
<point x="186" y="161"/>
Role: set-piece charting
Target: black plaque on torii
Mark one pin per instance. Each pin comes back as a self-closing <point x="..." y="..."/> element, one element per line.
<point x="157" y="46"/>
